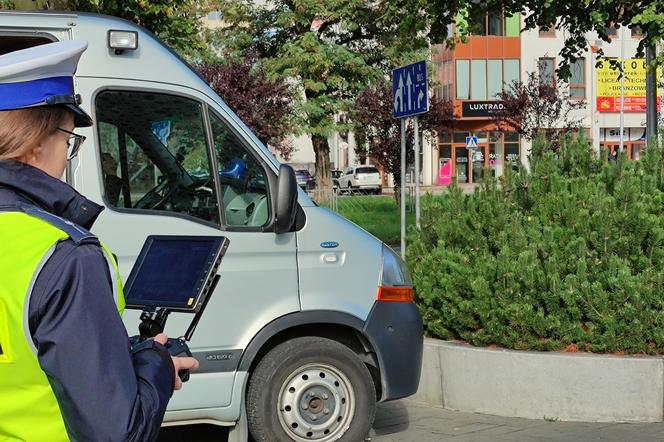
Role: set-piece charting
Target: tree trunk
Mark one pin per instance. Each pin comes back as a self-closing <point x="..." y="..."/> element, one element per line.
<point x="323" y="176"/>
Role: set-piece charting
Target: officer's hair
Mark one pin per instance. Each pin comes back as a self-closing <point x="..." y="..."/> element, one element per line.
<point x="23" y="129"/>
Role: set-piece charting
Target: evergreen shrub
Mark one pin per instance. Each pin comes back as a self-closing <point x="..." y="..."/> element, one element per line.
<point x="570" y="255"/>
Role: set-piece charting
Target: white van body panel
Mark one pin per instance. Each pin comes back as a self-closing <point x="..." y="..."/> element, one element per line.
<point x="343" y="278"/>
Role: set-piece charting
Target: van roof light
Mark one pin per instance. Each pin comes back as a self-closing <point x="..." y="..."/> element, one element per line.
<point x="122" y="40"/>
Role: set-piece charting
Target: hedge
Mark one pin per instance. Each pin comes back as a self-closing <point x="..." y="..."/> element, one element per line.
<point x="570" y="255"/>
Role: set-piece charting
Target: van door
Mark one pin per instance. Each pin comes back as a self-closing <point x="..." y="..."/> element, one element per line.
<point x="165" y="163"/>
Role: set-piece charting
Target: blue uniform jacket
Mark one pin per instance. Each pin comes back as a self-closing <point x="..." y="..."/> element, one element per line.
<point x="105" y="391"/>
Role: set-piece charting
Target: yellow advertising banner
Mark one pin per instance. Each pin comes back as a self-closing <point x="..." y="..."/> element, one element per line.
<point x="608" y="86"/>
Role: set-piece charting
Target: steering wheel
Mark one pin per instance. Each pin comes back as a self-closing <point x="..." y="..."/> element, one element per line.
<point x="155" y="197"/>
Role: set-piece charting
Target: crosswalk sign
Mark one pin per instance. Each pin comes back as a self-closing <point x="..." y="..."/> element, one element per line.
<point x="471" y="142"/>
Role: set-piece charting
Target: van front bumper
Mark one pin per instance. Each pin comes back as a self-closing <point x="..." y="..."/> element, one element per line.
<point x="395" y="331"/>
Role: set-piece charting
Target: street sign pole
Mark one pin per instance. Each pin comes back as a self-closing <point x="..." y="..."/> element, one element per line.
<point x="651" y="97"/>
<point x="410" y="97"/>
<point x="403" y="188"/>
<point x="416" y="141"/>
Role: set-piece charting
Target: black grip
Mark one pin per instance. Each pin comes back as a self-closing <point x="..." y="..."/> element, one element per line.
<point x="178" y="347"/>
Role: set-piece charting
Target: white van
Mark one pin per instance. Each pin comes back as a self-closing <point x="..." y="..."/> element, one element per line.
<point x="312" y="322"/>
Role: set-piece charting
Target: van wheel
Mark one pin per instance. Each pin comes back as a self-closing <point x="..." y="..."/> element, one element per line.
<point x="310" y="389"/>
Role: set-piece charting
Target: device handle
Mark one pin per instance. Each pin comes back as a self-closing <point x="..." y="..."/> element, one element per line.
<point x="190" y="331"/>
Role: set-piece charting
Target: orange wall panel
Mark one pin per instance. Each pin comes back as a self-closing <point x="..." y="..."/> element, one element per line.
<point x="489" y="47"/>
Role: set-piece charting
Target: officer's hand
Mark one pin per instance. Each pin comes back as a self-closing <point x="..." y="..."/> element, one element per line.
<point x="179" y="363"/>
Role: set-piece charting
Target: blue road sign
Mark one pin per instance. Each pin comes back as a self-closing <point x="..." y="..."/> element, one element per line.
<point x="471" y="142"/>
<point x="409" y="90"/>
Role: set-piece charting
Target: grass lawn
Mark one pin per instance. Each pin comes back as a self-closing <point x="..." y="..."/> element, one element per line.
<point x="378" y="215"/>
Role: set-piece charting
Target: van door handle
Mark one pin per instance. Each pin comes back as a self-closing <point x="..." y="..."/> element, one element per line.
<point x="330" y="258"/>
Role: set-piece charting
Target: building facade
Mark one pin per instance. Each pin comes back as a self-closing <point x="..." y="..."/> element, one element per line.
<point x="473" y="73"/>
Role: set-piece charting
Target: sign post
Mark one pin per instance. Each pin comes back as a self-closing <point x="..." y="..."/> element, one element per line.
<point x="411" y="97"/>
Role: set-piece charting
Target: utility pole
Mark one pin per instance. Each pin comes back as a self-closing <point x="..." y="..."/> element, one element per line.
<point x="622" y="89"/>
<point x="651" y="97"/>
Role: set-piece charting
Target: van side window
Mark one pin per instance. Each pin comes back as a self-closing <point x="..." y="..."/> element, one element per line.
<point x="244" y="192"/>
<point x="154" y="155"/>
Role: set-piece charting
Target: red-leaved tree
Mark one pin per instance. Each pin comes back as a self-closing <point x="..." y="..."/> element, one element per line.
<point x="537" y="109"/>
<point x="378" y="132"/>
<point x="264" y="104"/>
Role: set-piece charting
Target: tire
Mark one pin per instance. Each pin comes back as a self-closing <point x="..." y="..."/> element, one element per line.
<point x="310" y="389"/>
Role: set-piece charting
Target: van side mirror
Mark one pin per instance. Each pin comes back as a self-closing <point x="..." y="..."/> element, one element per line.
<point x="286" y="207"/>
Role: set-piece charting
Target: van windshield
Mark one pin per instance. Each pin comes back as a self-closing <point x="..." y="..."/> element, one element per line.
<point x="11" y="43"/>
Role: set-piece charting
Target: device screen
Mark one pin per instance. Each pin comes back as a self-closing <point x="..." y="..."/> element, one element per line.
<point x="171" y="271"/>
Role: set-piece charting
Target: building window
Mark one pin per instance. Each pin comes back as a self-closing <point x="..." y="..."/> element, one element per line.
<point x="484" y="79"/>
<point x="549" y="32"/>
<point x="463" y="79"/>
<point x="577" y="82"/>
<point x="478" y="24"/>
<point x="478" y="80"/>
<point x="495" y="24"/>
<point x="491" y="24"/>
<point x="546" y="67"/>
<point x="612" y="31"/>
<point x="512" y="73"/>
<point x="495" y="78"/>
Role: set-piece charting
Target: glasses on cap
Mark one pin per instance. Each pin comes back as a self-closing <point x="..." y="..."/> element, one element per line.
<point x="73" y="143"/>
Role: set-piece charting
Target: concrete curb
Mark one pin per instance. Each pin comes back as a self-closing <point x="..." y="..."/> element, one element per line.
<point x="534" y="385"/>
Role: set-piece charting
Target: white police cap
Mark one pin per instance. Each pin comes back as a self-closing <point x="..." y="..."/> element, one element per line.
<point x="43" y="76"/>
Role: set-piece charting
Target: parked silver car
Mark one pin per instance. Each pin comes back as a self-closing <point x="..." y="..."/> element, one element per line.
<point x="361" y="179"/>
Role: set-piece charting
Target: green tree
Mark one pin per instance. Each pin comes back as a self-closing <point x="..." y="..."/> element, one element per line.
<point x="176" y="22"/>
<point x="331" y="48"/>
<point x="576" y="18"/>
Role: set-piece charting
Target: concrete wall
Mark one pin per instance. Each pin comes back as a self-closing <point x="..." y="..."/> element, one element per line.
<point x="565" y="386"/>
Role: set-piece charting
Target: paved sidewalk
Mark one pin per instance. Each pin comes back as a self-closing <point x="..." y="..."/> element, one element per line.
<point x="406" y="421"/>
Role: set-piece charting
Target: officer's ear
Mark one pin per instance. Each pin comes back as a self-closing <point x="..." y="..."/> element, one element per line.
<point x="32" y="155"/>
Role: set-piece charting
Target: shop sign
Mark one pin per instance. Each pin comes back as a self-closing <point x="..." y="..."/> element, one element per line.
<point x="608" y="86"/>
<point x="629" y="134"/>
<point x="481" y="108"/>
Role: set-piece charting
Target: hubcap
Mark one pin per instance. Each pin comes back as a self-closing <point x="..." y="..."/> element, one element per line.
<point x="316" y="403"/>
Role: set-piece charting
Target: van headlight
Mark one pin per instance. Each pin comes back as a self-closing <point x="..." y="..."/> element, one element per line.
<point x="395" y="283"/>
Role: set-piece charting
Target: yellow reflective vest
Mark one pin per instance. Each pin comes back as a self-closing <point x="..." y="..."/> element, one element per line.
<point x="29" y="410"/>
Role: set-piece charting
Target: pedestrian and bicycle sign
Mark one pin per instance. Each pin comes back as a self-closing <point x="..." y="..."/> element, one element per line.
<point x="409" y="90"/>
<point x="471" y="142"/>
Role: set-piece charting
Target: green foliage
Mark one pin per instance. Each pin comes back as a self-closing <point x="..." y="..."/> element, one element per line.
<point x="378" y="215"/>
<point x="331" y="49"/>
<point x="574" y="18"/>
<point x="176" y="22"/>
<point x="570" y="254"/>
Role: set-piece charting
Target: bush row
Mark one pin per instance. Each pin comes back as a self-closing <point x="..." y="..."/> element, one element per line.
<point x="569" y="254"/>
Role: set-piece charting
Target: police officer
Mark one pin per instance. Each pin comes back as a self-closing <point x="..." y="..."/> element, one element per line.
<point x="66" y="368"/>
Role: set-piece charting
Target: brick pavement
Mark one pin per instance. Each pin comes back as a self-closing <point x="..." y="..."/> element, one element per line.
<point x="407" y="421"/>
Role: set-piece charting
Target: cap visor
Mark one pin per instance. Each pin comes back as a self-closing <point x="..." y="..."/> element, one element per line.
<point x="81" y="118"/>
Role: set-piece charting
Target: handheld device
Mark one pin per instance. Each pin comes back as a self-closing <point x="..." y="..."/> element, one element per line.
<point x="173" y="273"/>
